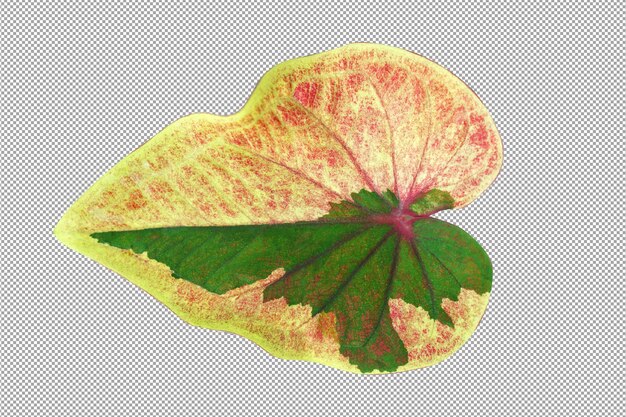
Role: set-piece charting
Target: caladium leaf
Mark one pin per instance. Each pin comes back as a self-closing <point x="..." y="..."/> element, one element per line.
<point x="303" y="221"/>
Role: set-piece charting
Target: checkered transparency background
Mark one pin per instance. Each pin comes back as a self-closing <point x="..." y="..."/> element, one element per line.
<point x="85" y="84"/>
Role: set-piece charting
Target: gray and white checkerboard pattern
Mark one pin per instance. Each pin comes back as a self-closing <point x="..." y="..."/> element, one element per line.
<point x="85" y="84"/>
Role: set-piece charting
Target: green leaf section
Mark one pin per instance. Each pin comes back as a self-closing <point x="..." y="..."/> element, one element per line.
<point x="435" y="265"/>
<point x="431" y="202"/>
<point x="363" y="204"/>
<point x="342" y="264"/>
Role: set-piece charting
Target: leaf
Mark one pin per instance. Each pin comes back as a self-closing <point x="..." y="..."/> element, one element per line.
<point x="302" y="222"/>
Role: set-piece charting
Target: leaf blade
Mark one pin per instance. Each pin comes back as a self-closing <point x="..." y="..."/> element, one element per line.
<point x="287" y="157"/>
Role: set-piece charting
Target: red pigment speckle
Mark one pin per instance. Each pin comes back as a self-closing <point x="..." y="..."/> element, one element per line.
<point x="334" y="98"/>
<point x="394" y="313"/>
<point x="105" y="199"/>
<point x="419" y="93"/>
<point x="318" y="335"/>
<point x="306" y="93"/>
<point x="188" y="295"/>
<point x="200" y="137"/>
<point x="331" y="157"/>
<point x="284" y="194"/>
<point x="398" y="78"/>
<point x="239" y="139"/>
<point x="158" y="164"/>
<point x="354" y="82"/>
<point x="158" y="189"/>
<point x="373" y="127"/>
<point x="255" y="135"/>
<point x="480" y="137"/>
<point x="291" y="116"/>
<point x="188" y="171"/>
<point x="477" y="118"/>
<point x="444" y="334"/>
<point x="136" y="200"/>
<point x="204" y="181"/>
<point x="459" y="116"/>
<point x="458" y="312"/>
<point x="263" y="128"/>
<point x="383" y="72"/>
<point x="207" y="209"/>
<point x="346" y="125"/>
<point x="276" y="124"/>
<point x="226" y="208"/>
<point x="429" y="350"/>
